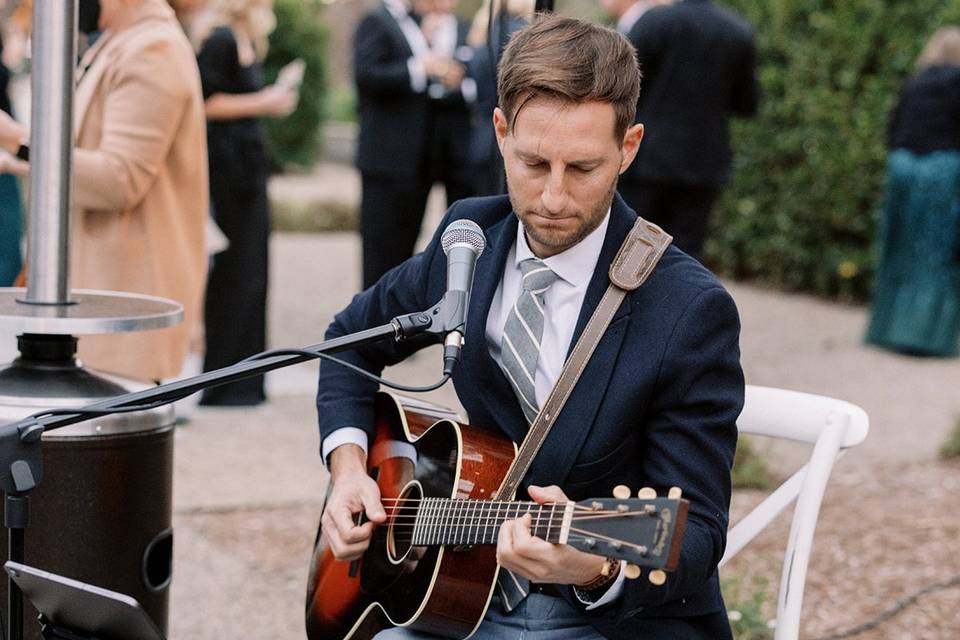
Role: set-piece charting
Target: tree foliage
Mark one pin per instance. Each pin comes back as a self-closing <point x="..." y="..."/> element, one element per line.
<point x="802" y="207"/>
<point x="300" y="33"/>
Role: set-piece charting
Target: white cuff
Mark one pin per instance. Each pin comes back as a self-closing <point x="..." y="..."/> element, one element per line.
<point x="385" y="449"/>
<point x="344" y="435"/>
<point x="611" y="594"/>
<point x="418" y="75"/>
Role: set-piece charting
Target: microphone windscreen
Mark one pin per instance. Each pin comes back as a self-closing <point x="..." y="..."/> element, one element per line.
<point x="463" y="232"/>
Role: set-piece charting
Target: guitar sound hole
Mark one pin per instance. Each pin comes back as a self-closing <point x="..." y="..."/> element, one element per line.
<point x="400" y="532"/>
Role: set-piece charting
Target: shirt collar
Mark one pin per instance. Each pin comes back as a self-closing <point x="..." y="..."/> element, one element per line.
<point x="628" y="19"/>
<point x="575" y="265"/>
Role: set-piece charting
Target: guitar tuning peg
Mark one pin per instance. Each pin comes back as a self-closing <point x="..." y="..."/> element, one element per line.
<point x="675" y="493"/>
<point x="647" y="494"/>
<point x="631" y="571"/>
<point x="621" y="492"/>
<point x="657" y="577"/>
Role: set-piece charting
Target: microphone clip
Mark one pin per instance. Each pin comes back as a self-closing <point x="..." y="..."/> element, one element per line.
<point x="448" y="315"/>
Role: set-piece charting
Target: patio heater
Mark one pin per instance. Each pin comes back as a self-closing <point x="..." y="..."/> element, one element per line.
<point x="102" y="512"/>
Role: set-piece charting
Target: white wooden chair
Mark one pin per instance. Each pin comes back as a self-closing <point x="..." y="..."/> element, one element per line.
<point x="832" y="426"/>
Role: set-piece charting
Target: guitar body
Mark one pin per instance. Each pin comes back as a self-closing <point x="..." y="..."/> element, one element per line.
<point x="447" y="590"/>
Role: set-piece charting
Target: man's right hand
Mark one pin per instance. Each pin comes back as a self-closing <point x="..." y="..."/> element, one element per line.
<point x="352" y="492"/>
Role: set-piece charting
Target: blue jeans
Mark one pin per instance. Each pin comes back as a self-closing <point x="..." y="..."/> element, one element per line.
<point x="538" y="617"/>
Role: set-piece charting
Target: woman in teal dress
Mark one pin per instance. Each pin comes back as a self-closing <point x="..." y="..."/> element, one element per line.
<point x="916" y="300"/>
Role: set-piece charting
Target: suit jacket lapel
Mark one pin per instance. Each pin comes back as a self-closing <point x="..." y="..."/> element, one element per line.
<point x="396" y="31"/>
<point x="570" y="431"/>
<point x="489" y="383"/>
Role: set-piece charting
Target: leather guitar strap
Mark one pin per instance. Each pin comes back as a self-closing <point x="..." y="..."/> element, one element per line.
<point x="636" y="260"/>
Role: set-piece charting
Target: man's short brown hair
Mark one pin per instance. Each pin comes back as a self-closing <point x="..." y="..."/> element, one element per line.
<point x="571" y="61"/>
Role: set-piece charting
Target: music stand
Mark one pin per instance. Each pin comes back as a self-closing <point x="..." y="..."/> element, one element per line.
<point x="73" y="610"/>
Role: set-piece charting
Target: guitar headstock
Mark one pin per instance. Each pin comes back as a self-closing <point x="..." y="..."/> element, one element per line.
<point x="646" y="531"/>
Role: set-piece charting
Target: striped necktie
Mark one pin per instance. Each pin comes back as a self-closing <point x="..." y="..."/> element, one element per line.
<point x="519" y="353"/>
<point x="522" y="332"/>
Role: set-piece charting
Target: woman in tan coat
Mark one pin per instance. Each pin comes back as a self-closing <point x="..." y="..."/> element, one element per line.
<point x="140" y="180"/>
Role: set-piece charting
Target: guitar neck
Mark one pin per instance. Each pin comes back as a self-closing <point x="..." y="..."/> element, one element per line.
<point x="446" y="521"/>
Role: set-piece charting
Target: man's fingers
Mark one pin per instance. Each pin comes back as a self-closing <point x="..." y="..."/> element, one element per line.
<point x="342" y="551"/>
<point x="504" y="542"/>
<point x="371" y="503"/>
<point x="343" y="518"/>
<point x="521" y="529"/>
<point x="553" y="493"/>
<point x="349" y="543"/>
<point x="358" y="535"/>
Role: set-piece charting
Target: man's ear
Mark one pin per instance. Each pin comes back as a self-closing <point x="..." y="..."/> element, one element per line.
<point x="500" y="127"/>
<point x="630" y="146"/>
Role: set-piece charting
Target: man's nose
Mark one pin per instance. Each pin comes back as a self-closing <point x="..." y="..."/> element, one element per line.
<point x="554" y="197"/>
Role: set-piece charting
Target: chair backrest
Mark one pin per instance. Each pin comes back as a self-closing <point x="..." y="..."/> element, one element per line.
<point x="832" y="426"/>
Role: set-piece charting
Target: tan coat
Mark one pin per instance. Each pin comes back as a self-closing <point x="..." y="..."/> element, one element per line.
<point x="141" y="186"/>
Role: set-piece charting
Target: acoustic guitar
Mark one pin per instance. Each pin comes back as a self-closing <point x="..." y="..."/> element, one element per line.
<point x="432" y="565"/>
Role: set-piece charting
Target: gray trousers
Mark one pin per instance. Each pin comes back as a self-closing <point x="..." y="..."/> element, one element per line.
<point x="538" y="617"/>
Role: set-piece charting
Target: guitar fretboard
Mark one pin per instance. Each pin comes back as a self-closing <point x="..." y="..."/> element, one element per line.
<point x="466" y="522"/>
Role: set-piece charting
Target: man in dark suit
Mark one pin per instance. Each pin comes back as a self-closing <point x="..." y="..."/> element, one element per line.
<point x="664" y="385"/>
<point x="448" y="161"/>
<point x="393" y="67"/>
<point x="698" y="66"/>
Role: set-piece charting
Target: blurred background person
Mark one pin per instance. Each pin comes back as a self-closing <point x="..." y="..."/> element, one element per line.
<point x="187" y="13"/>
<point x="139" y="177"/>
<point x="449" y="138"/>
<point x="626" y="13"/>
<point x="487" y="40"/>
<point x="392" y="68"/>
<point x="232" y="42"/>
<point x="11" y="210"/>
<point x="916" y="300"/>
<point x="699" y="68"/>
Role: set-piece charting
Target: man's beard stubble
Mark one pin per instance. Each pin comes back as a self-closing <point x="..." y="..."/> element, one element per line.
<point x="591" y="223"/>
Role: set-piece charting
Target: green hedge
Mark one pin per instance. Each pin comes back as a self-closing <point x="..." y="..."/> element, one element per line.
<point x="300" y="33"/>
<point x="802" y="207"/>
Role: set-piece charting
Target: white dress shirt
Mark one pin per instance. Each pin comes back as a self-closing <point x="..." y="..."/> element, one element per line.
<point x="416" y="41"/>
<point x="444" y="42"/>
<point x="561" y="302"/>
<point x="561" y="309"/>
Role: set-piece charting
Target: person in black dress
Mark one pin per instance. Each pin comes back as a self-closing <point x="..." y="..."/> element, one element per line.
<point x="230" y="58"/>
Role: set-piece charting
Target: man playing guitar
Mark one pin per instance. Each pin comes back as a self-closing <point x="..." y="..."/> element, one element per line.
<point x="656" y="404"/>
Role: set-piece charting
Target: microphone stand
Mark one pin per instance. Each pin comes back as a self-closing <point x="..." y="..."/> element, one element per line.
<point x="21" y="462"/>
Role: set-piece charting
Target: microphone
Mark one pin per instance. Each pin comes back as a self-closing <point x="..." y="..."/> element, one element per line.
<point x="462" y="242"/>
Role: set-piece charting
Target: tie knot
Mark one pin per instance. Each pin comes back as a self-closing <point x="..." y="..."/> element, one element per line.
<point x="537" y="276"/>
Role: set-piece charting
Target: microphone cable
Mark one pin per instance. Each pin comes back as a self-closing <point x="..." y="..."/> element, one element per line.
<point x="94" y="413"/>
<point x="352" y="367"/>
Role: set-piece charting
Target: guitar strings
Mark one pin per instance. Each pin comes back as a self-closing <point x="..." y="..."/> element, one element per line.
<point x="475" y="516"/>
<point x="611" y="539"/>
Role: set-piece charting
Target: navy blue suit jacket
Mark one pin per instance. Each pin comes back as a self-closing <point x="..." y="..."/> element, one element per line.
<point x="656" y="405"/>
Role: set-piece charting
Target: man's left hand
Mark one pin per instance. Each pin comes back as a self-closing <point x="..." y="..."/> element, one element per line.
<point x="541" y="561"/>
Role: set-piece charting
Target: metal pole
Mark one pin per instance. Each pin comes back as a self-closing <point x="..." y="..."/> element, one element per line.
<point x="51" y="150"/>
